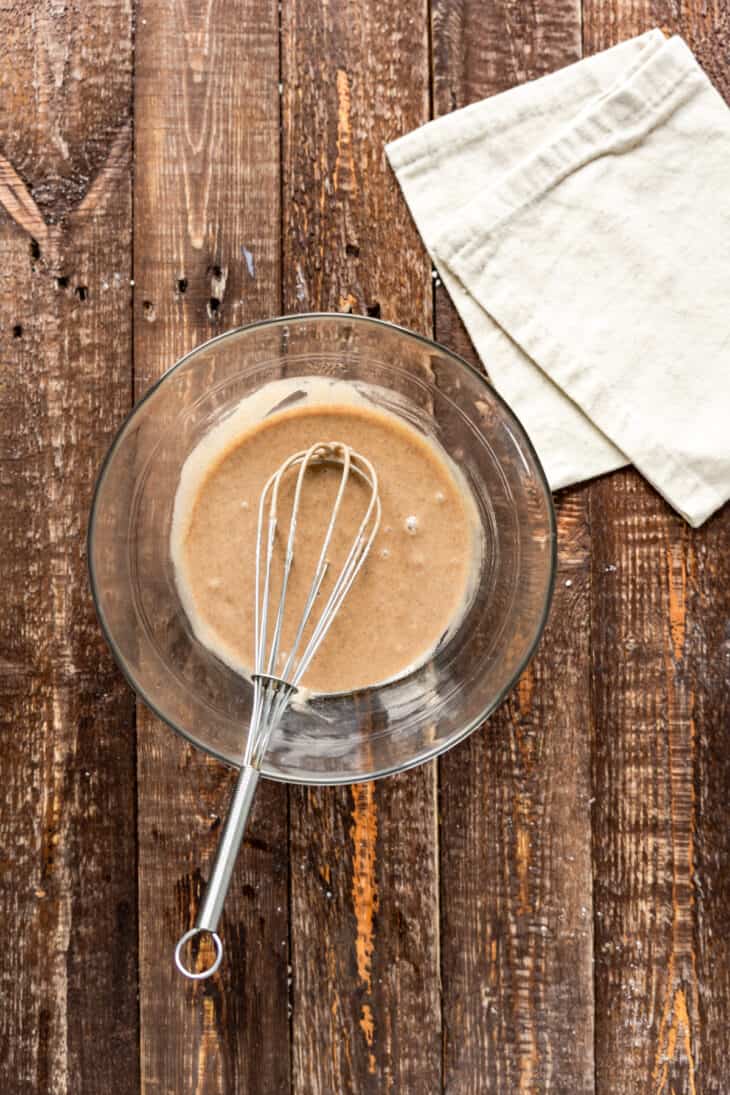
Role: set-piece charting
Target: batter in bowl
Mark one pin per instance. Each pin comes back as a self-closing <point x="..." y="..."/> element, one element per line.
<point x="423" y="566"/>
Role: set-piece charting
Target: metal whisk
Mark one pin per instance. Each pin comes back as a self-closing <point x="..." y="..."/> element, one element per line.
<point x="272" y="690"/>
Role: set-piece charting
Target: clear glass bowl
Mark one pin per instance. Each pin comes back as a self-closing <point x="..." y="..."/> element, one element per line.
<point x="342" y="738"/>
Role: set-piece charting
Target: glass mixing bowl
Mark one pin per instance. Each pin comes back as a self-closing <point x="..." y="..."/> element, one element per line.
<point x="345" y="737"/>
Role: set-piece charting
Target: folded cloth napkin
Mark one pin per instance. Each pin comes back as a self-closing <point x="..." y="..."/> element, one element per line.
<point x="581" y="224"/>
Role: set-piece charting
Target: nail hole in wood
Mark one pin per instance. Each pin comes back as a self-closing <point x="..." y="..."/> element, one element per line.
<point x="18" y="330"/>
<point x="213" y="307"/>
<point x="373" y="310"/>
<point x="62" y="282"/>
<point x="352" y="249"/>
<point x="81" y="292"/>
<point x="215" y="271"/>
<point x="35" y="249"/>
<point x="182" y="285"/>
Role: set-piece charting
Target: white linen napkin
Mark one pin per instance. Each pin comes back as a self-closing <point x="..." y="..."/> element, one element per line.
<point x="581" y="224"/>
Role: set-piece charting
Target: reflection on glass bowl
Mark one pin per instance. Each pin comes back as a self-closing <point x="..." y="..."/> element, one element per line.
<point x="344" y="737"/>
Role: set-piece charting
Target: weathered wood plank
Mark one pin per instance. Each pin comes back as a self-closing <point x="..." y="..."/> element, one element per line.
<point x="516" y="901"/>
<point x="207" y="228"/>
<point x="515" y="865"/>
<point x="660" y="618"/>
<point x="707" y="639"/>
<point x="646" y="984"/>
<point x="364" y="931"/>
<point x="67" y="874"/>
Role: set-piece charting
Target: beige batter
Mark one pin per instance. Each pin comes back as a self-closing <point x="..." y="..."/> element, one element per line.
<point x="416" y="582"/>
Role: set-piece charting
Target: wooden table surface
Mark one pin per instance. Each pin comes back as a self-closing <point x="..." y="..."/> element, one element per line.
<point x="547" y="908"/>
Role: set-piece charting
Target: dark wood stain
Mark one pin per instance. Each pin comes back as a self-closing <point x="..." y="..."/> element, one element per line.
<point x="364" y="940"/>
<point x="545" y="910"/>
<point x="68" y="894"/>
<point x="206" y="127"/>
<point x="516" y="902"/>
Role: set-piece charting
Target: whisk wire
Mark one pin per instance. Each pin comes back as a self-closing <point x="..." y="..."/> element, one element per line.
<point x="293" y="671"/>
<point x="322" y="563"/>
<point x="354" y="561"/>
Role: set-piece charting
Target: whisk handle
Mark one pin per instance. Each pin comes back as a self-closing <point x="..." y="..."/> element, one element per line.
<point x="210" y="910"/>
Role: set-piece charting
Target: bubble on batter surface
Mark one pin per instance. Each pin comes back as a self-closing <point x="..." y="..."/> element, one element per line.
<point x="214" y="583"/>
<point x="385" y="553"/>
<point x="440" y="496"/>
<point x="244" y="504"/>
<point x="411" y="525"/>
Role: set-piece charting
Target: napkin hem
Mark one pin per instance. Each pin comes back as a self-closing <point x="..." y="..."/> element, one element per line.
<point x="609" y="124"/>
<point x="450" y="133"/>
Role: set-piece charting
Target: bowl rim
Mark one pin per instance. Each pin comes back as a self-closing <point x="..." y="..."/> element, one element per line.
<point x="336" y="317"/>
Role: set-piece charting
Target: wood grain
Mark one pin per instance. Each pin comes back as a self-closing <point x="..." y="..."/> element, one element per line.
<point x="65" y="93"/>
<point x="207" y="230"/>
<point x="646" y="982"/>
<point x="364" y="933"/>
<point x="67" y="874"/>
<point x="433" y="932"/>
<point x="659" y="696"/>
<point x="515" y="865"/>
<point x="516" y="903"/>
<point x="707" y="646"/>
